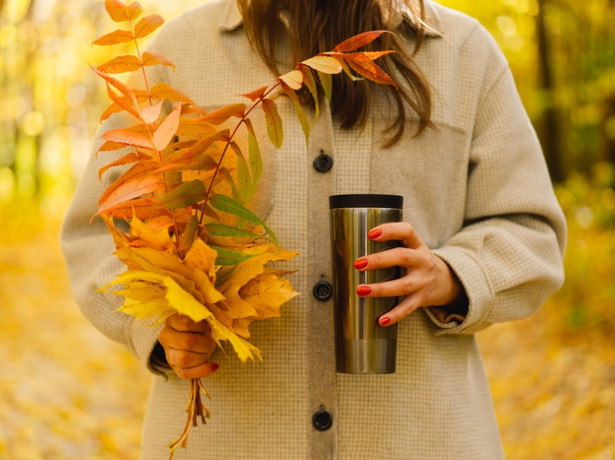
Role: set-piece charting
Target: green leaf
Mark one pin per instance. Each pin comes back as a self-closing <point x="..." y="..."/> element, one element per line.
<point x="310" y="82"/>
<point x="185" y="195"/>
<point x="303" y="119"/>
<point x="189" y="236"/>
<point x="274" y="122"/>
<point x="227" y="204"/>
<point x="229" y="257"/>
<point x="326" y="81"/>
<point x="227" y="230"/>
<point x="256" y="159"/>
<point x="244" y="178"/>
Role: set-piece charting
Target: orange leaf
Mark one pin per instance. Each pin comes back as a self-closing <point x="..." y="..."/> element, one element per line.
<point x="219" y="116"/>
<point x="147" y="25"/>
<point x="129" y="190"/>
<point x="120" y="12"/>
<point x="110" y="146"/>
<point x="150" y="59"/>
<point x="150" y="113"/>
<point x="167" y="129"/>
<point x="324" y="64"/>
<point x="365" y="67"/>
<point x="129" y="104"/>
<point x="358" y="41"/>
<point x="121" y="64"/>
<point x="127" y="136"/>
<point x="294" y="79"/>
<point x="113" y="38"/>
<point x="256" y="94"/>
<point x="142" y="208"/>
<point x="194" y="127"/>
<point x="166" y="92"/>
<point x="126" y="159"/>
<point x="373" y="55"/>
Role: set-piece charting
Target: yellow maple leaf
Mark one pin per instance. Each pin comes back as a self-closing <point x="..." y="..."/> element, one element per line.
<point x="176" y="300"/>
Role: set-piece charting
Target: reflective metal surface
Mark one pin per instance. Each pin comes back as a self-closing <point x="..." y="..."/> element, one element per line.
<point x="362" y="345"/>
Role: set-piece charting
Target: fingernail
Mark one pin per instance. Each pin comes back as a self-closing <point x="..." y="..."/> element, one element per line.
<point x="385" y="320"/>
<point x="215" y="366"/>
<point x="364" y="290"/>
<point x="374" y="233"/>
<point x="360" y="264"/>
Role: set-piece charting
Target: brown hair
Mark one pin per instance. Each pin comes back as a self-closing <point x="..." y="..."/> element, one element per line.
<point x="313" y="26"/>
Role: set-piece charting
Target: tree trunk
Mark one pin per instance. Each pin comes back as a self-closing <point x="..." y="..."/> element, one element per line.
<point x="550" y="135"/>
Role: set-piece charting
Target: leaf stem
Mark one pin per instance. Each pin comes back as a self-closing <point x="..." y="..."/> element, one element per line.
<point x="230" y="140"/>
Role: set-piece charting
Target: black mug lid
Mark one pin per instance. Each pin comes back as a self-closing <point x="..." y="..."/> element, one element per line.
<point x="366" y="200"/>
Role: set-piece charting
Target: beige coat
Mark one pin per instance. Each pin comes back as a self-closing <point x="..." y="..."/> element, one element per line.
<point x="478" y="193"/>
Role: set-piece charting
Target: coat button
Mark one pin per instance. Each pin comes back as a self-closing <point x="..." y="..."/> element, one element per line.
<point x="323" y="162"/>
<point x="322" y="291"/>
<point x="322" y="420"/>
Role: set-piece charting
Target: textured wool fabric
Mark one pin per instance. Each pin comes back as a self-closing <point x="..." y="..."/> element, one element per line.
<point x="475" y="188"/>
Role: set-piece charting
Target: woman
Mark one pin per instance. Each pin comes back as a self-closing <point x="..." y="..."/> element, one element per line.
<point x="483" y="237"/>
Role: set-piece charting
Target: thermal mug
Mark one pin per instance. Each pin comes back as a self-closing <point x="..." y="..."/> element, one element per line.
<point x="362" y="346"/>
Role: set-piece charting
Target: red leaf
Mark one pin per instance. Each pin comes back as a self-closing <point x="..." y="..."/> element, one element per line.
<point x="147" y="25"/>
<point x="365" y="67"/>
<point x="358" y="41"/>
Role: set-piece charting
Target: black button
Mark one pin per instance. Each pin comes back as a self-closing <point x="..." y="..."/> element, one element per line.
<point x="323" y="162"/>
<point x="322" y="420"/>
<point x="322" y="291"/>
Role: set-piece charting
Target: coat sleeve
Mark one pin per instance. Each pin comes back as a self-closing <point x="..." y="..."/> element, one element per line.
<point x="508" y="254"/>
<point x="88" y="252"/>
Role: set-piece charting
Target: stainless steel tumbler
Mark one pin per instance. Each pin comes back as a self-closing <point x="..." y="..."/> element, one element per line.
<point x="362" y="345"/>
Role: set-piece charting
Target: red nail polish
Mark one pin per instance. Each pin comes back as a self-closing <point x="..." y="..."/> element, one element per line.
<point x="364" y="290"/>
<point x="360" y="264"/>
<point x="385" y="320"/>
<point x="374" y="233"/>
<point x="215" y="366"/>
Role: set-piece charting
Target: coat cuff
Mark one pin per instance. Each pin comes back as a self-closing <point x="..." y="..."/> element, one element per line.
<point x="144" y="338"/>
<point x="477" y="287"/>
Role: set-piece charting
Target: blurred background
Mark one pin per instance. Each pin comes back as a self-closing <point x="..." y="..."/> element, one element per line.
<point x="64" y="386"/>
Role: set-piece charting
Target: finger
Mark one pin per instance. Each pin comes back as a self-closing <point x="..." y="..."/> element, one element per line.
<point x="185" y="359"/>
<point x="196" y="372"/>
<point x="401" y="231"/>
<point x="394" y="288"/>
<point x="399" y="256"/>
<point x="187" y="341"/>
<point x="403" y="309"/>
<point x="184" y="323"/>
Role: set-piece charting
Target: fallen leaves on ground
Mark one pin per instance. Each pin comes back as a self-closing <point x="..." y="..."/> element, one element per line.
<point x="66" y="394"/>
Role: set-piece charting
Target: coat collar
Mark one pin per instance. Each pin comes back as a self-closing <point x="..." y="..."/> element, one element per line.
<point x="232" y="19"/>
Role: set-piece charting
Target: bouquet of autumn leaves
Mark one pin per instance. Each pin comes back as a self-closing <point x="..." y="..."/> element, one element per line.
<point x="193" y="246"/>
